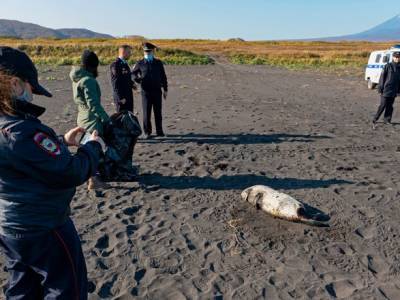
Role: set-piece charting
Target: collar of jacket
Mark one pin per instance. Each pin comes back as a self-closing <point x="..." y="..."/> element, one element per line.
<point x="123" y="60"/>
<point x="28" y="110"/>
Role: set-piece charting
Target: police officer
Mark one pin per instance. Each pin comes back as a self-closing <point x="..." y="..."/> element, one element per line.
<point x="38" y="176"/>
<point x="389" y="87"/>
<point x="150" y="73"/>
<point x="121" y="80"/>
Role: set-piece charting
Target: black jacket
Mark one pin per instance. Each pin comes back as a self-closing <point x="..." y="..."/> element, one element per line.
<point x="151" y="75"/>
<point x="121" y="81"/>
<point x="389" y="83"/>
<point x="38" y="174"/>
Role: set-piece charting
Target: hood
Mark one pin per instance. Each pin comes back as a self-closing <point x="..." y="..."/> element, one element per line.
<point x="77" y="73"/>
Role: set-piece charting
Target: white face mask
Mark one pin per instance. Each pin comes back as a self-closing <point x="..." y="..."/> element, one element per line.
<point x="26" y="96"/>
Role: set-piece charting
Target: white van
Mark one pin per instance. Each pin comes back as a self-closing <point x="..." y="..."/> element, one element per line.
<point x="376" y="63"/>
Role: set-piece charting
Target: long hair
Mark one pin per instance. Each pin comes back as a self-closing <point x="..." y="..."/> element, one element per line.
<point x="7" y="101"/>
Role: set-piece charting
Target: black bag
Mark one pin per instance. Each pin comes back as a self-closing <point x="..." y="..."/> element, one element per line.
<point x="120" y="136"/>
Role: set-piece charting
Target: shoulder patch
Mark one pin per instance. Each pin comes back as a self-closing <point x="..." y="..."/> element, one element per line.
<point x="47" y="144"/>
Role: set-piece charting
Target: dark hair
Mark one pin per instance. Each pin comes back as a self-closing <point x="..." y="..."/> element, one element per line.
<point x="90" y="62"/>
<point x="125" y="47"/>
<point x="7" y="101"/>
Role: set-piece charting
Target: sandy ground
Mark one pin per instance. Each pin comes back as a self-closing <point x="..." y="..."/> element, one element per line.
<point x="183" y="232"/>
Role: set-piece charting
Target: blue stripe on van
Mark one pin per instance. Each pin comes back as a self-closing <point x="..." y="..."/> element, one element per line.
<point x="375" y="66"/>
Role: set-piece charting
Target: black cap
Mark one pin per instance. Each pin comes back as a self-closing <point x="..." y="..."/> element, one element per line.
<point x="148" y="46"/>
<point x="396" y="54"/>
<point x="17" y="63"/>
<point x="89" y="59"/>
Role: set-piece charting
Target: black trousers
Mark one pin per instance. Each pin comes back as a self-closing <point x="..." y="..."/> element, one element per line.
<point x="46" y="266"/>
<point x="152" y="101"/>
<point x="387" y="107"/>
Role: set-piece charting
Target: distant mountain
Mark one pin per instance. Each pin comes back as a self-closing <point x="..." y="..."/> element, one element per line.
<point x="387" y="31"/>
<point x="11" y="28"/>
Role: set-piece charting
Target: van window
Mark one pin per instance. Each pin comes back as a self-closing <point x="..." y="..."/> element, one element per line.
<point x="378" y="58"/>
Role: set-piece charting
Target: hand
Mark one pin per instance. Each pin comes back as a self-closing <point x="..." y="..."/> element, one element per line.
<point x="70" y="137"/>
<point x="165" y="95"/>
<point x="122" y="101"/>
<point x="96" y="138"/>
<point x="134" y="87"/>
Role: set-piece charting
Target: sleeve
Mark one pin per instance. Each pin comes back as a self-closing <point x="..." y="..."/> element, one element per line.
<point x="137" y="73"/>
<point x="164" y="80"/>
<point x="382" y="79"/>
<point x="116" y="80"/>
<point x="93" y="99"/>
<point x="42" y="157"/>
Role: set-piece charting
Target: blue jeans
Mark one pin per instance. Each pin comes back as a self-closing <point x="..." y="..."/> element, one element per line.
<point x="46" y="266"/>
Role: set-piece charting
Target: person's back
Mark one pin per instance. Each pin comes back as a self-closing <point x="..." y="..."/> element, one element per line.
<point x="87" y="97"/>
<point x="87" y="94"/>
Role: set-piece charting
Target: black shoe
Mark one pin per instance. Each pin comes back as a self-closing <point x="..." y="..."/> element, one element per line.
<point x="160" y="134"/>
<point x="387" y="122"/>
<point x="373" y="124"/>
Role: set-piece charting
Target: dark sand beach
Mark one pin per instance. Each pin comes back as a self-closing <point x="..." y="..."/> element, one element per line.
<point x="182" y="230"/>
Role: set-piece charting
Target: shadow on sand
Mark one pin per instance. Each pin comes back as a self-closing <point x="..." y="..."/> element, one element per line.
<point x="232" y="182"/>
<point x="236" y="138"/>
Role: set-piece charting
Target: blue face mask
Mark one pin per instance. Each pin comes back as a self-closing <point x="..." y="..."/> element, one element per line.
<point x="27" y="97"/>
<point x="149" y="57"/>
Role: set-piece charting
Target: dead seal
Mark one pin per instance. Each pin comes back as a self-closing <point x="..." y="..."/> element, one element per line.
<point x="283" y="206"/>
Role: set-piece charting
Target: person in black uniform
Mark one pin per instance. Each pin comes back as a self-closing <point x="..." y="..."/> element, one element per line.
<point x="389" y="88"/>
<point x="38" y="177"/>
<point x="121" y="80"/>
<point x="150" y="73"/>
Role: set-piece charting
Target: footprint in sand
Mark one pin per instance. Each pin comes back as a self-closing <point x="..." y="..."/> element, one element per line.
<point x="130" y="211"/>
<point x="367" y="232"/>
<point x="340" y="289"/>
<point x="375" y="264"/>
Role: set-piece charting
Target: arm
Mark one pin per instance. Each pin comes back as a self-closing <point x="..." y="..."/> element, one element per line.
<point x="382" y="79"/>
<point x="116" y="79"/>
<point x="164" y="80"/>
<point x="42" y="157"/>
<point x="137" y="73"/>
<point x="92" y="97"/>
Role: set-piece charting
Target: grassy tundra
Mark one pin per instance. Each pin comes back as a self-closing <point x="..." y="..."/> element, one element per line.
<point x="347" y="56"/>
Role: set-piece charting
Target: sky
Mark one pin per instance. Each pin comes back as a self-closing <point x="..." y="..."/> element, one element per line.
<point x="206" y="19"/>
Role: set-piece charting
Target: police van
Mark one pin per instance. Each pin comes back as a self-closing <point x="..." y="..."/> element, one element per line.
<point x="376" y="63"/>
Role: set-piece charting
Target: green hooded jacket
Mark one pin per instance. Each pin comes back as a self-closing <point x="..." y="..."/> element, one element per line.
<point x="87" y="96"/>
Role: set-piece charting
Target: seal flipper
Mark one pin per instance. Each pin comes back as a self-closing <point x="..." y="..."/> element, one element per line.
<point x="318" y="219"/>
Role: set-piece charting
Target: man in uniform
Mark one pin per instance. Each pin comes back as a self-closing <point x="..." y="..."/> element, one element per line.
<point x="389" y="87"/>
<point x="121" y="80"/>
<point x="150" y="73"/>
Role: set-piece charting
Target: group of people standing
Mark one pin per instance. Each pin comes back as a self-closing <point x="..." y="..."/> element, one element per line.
<point x="148" y="72"/>
<point x="39" y="174"/>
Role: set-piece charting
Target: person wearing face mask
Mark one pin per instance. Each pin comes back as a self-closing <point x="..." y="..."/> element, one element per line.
<point x="150" y="73"/>
<point x="38" y="179"/>
<point x="389" y="88"/>
<point x="87" y="96"/>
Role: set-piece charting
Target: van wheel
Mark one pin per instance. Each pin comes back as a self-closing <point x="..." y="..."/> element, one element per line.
<point x="371" y="85"/>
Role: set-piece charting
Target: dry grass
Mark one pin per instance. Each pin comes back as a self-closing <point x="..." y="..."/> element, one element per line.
<point x="296" y="55"/>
